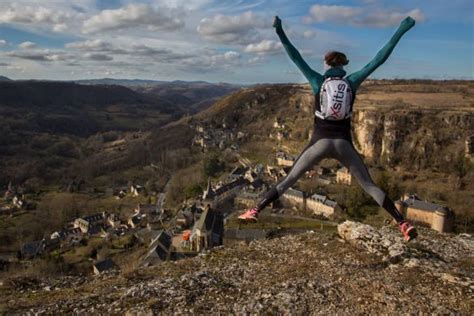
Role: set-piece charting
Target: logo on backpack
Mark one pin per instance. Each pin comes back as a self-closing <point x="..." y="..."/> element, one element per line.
<point x="335" y="100"/>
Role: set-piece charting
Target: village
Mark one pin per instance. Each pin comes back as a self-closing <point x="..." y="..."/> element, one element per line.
<point x="203" y="221"/>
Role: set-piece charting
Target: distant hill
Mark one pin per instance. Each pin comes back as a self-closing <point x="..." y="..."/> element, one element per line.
<point x="120" y="82"/>
<point x="58" y="93"/>
<point x="195" y="96"/>
<point x="81" y="110"/>
<point x="3" y="78"/>
<point x="192" y="96"/>
<point x="55" y="119"/>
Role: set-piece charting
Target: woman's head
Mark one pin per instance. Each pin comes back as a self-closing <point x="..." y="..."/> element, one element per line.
<point x="335" y="59"/>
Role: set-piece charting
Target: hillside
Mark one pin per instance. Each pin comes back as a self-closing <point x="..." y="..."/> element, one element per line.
<point x="194" y="96"/>
<point x="394" y="122"/>
<point x="45" y="124"/>
<point x="364" y="271"/>
<point x="418" y="141"/>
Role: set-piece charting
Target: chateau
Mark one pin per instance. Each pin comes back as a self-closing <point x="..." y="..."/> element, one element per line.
<point x="436" y="216"/>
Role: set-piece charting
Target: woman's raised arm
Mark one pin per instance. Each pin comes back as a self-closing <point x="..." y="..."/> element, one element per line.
<point x="312" y="76"/>
<point x="358" y="77"/>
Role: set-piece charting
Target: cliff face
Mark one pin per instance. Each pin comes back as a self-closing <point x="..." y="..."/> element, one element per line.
<point x="389" y="135"/>
<point x="419" y="124"/>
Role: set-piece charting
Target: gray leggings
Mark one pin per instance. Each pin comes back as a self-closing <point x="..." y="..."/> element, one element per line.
<point x="343" y="151"/>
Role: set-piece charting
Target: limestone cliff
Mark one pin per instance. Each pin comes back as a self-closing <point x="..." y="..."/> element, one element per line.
<point x="420" y="136"/>
<point x="420" y="124"/>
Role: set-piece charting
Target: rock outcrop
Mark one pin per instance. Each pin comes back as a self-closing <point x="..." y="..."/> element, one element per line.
<point x="368" y="271"/>
<point x="428" y="250"/>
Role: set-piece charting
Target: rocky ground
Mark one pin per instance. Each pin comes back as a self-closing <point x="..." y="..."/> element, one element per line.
<point x="362" y="270"/>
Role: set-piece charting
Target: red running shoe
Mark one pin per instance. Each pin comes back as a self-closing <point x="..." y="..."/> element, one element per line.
<point x="249" y="216"/>
<point x="408" y="230"/>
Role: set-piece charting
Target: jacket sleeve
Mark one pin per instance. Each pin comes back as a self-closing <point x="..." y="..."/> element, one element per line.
<point x="358" y="77"/>
<point x="314" y="78"/>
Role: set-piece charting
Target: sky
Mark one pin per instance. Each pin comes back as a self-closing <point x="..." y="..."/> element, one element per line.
<point x="229" y="40"/>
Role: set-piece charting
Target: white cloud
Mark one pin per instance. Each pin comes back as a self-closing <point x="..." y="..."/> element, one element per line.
<point x="389" y="18"/>
<point x="98" y="57"/>
<point x="134" y="15"/>
<point x="38" y="55"/>
<point x="54" y="15"/>
<point x="61" y="27"/>
<point x="27" y="45"/>
<point x="239" y="29"/>
<point x="187" y="4"/>
<point x="101" y="47"/>
<point x="3" y="42"/>
<point x="334" y="13"/>
<point x="231" y="55"/>
<point x="359" y="16"/>
<point x="31" y="15"/>
<point x="255" y="60"/>
<point x="96" y="45"/>
<point x="264" y="47"/>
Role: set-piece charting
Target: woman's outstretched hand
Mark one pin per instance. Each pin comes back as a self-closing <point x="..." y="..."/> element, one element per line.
<point x="407" y="23"/>
<point x="277" y="22"/>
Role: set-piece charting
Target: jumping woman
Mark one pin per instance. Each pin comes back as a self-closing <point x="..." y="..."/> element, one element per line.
<point x="334" y="98"/>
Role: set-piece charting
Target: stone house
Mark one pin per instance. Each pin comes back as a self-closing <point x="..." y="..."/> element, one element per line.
<point x="86" y="222"/>
<point x="284" y="159"/>
<point x="18" y="202"/>
<point x="237" y="172"/>
<point x="250" y="175"/>
<point x="294" y="197"/>
<point x="135" y="220"/>
<point x="248" y="199"/>
<point x="438" y="217"/>
<point x="321" y="205"/>
<point x="113" y="220"/>
<point x="186" y="217"/>
<point x="98" y="230"/>
<point x="159" y="250"/>
<point x="224" y="192"/>
<point x="343" y="176"/>
<point x="272" y="172"/>
<point x="136" y="189"/>
<point x="208" y="231"/>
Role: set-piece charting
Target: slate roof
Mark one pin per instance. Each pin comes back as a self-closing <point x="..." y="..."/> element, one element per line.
<point x="93" y="218"/>
<point x="161" y="237"/>
<point x="230" y="186"/>
<point x="238" y="171"/>
<point x="104" y="265"/>
<point x="422" y="205"/>
<point x="32" y="249"/>
<point x="211" y="220"/>
<point x="257" y="184"/>
<point x="323" y="199"/>
<point x="136" y="219"/>
<point x="159" y="247"/>
<point x="295" y="193"/>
